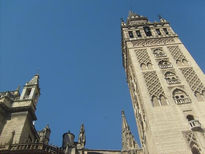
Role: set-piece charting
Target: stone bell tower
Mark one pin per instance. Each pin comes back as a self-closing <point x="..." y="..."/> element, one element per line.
<point x="166" y="85"/>
<point x="19" y="114"/>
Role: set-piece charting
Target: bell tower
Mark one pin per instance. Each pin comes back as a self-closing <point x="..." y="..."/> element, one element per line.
<point x="20" y="113"/>
<point x="166" y="85"/>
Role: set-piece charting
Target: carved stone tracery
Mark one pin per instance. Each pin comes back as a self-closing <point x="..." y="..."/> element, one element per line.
<point x="193" y="80"/>
<point x="158" y="52"/>
<point x="156" y="41"/>
<point x="153" y="84"/>
<point x="177" y="54"/>
<point x="143" y="58"/>
<point x="192" y="142"/>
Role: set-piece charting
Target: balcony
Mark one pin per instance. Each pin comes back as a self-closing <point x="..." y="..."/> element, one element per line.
<point x="195" y="124"/>
<point x="165" y="66"/>
<point x="182" y="101"/>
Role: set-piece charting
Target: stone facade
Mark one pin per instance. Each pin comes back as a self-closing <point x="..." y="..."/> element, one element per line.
<point x="166" y="87"/>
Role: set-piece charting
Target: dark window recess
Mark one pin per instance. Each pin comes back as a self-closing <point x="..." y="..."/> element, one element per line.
<point x="166" y="31"/>
<point x="138" y="33"/>
<point x="158" y="31"/>
<point x="147" y="31"/>
<point x="131" y="34"/>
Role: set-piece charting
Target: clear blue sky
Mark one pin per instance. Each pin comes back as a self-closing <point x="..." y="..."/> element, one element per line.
<point x="75" y="45"/>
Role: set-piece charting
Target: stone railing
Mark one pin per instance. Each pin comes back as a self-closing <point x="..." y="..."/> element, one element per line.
<point x="182" y="101"/>
<point x="38" y="147"/>
<point x="195" y="124"/>
<point x="173" y="81"/>
<point x="165" y="66"/>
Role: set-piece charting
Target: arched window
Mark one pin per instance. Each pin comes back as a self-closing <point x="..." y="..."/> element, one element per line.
<point x="155" y="101"/>
<point x="143" y="66"/>
<point x="180" y="97"/>
<point x="149" y="65"/>
<point x="164" y="64"/>
<point x="163" y="100"/>
<point x="171" y="78"/>
<point x="159" y="53"/>
<point x="190" y="117"/>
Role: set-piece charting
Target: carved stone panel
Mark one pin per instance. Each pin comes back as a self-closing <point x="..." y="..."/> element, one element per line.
<point x="192" y="79"/>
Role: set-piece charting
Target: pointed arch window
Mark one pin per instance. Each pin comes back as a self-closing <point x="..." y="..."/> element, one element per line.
<point x="163" y="64"/>
<point x="180" y="97"/>
<point x="171" y="78"/>
<point x="159" y="53"/>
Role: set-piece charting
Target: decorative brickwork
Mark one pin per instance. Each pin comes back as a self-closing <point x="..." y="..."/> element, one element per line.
<point x="142" y="56"/>
<point x="149" y="42"/>
<point x="153" y="84"/>
<point x="176" y="53"/>
<point x="192" y="79"/>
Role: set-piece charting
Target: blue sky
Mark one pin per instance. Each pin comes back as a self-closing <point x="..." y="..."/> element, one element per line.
<point x="75" y="46"/>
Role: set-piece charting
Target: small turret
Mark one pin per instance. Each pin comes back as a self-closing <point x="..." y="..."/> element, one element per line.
<point x="81" y="138"/>
<point x="31" y="90"/>
<point x="128" y="141"/>
<point x="44" y="135"/>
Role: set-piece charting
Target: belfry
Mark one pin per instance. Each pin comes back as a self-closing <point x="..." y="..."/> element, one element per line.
<point x="166" y="87"/>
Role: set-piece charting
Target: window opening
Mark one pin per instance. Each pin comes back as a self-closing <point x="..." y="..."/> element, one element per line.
<point x="147" y="31"/>
<point x="166" y="31"/>
<point x="138" y="33"/>
<point x="158" y="32"/>
<point x="131" y="34"/>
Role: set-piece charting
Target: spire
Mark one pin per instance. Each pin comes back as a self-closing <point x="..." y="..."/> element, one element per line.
<point x="81" y="138"/>
<point x="34" y="80"/>
<point x="128" y="141"/>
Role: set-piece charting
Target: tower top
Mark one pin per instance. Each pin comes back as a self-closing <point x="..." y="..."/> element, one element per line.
<point x="33" y="81"/>
<point x="134" y="18"/>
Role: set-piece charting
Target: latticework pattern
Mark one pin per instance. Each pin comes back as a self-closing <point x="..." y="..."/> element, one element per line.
<point x="176" y="53"/>
<point x="143" y="56"/>
<point x="192" y="79"/>
<point x="149" y="42"/>
<point x="153" y="84"/>
<point x="191" y="139"/>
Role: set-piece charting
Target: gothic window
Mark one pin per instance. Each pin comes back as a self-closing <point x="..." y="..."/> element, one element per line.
<point x="143" y="66"/>
<point x="147" y="31"/>
<point x="138" y="33"/>
<point x="155" y="101"/>
<point x="131" y="34"/>
<point x="163" y="100"/>
<point x="159" y="53"/>
<point x="165" y="31"/>
<point x="158" y="32"/>
<point x="171" y="78"/>
<point x="149" y="65"/>
<point x="180" y="97"/>
<point x="164" y="64"/>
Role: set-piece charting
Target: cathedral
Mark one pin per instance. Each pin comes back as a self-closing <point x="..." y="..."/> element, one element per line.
<point x="167" y="91"/>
